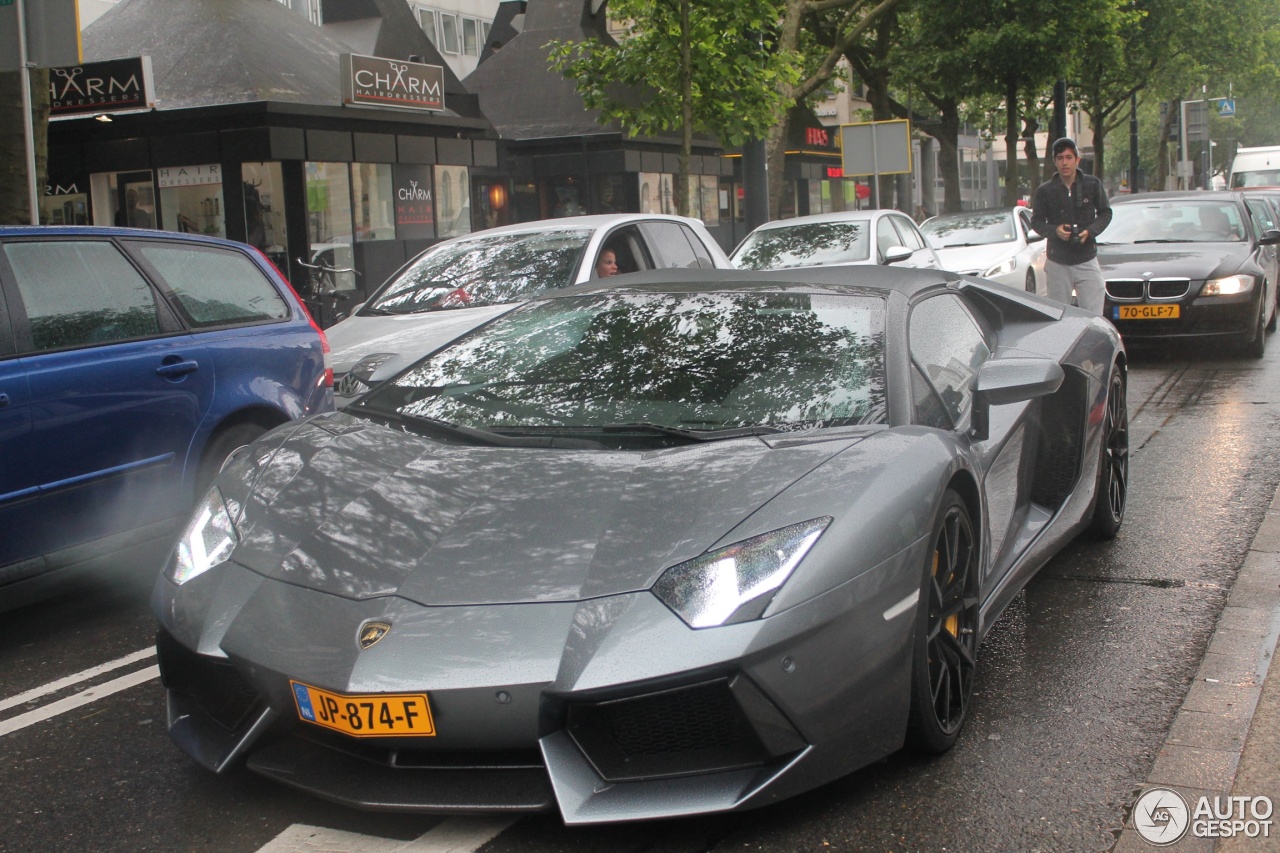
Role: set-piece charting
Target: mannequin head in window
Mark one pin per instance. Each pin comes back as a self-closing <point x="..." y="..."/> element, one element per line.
<point x="607" y="265"/>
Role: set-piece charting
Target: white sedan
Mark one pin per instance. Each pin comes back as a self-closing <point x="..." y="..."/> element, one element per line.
<point x="995" y="244"/>
<point x="458" y="284"/>
<point x="836" y="239"/>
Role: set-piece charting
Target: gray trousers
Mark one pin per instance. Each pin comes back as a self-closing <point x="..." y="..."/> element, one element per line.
<point x="1085" y="278"/>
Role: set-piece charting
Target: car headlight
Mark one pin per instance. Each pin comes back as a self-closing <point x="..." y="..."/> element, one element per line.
<point x="1006" y="266"/>
<point x="207" y="541"/>
<point x="736" y="583"/>
<point x="1228" y="286"/>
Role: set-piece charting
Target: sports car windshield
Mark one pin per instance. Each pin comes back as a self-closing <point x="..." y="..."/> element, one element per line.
<point x="484" y="270"/>
<point x="970" y="229"/>
<point x="692" y="365"/>
<point x="1175" y="222"/>
<point x="807" y="245"/>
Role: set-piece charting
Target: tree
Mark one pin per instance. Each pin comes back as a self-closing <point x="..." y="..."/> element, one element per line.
<point x="15" y="206"/>
<point x="833" y="24"/>
<point x="696" y="66"/>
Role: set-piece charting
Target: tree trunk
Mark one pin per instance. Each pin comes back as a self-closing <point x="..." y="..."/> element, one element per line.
<point x="1011" y="141"/>
<point x="686" y="113"/>
<point x="776" y="165"/>
<point x="1097" y="123"/>
<point x="15" y="207"/>
<point x="1162" y="152"/>
<point x="947" y="134"/>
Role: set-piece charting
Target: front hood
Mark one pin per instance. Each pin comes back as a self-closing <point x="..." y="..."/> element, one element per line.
<point x="979" y="259"/>
<point x="359" y="510"/>
<point x="410" y="336"/>
<point x="1196" y="261"/>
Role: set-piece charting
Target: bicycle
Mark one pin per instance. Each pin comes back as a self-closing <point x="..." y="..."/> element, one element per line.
<point x="321" y="285"/>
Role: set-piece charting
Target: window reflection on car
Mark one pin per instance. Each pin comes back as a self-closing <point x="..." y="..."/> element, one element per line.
<point x="805" y="245"/>
<point x="976" y="229"/>
<point x="1175" y="222"/>
<point x="487" y="270"/>
<point x="680" y="362"/>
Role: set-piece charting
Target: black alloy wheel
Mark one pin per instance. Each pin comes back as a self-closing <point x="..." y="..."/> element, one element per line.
<point x="1113" y="473"/>
<point x="1031" y="281"/>
<point x="946" y="645"/>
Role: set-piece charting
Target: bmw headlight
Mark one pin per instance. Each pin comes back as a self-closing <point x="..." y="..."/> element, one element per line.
<point x="736" y="583"/>
<point x="1228" y="286"/>
<point x="1006" y="266"/>
<point x="207" y="541"/>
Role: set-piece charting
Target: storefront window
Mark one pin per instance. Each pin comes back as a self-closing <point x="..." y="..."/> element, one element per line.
<point x="656" y="192"/>
<point x="264" y="215"/>
<point x="704" y="198"/>
<point x="415" y="207"/>
<point x="491" y="200"/>
<point x="191" y="199"/>
<point x="372" y="189"/>
<point x="65" y="203"/>
<point x="453" y="200"/>
<point x="124" y="199"/>
<point x="329" y="223"/>
<point x="610" y="193"/>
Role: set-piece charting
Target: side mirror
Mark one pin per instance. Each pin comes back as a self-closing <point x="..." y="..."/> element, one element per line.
<point x="1035" y="237"/>
<point x="893" y="254"/>
<point x="1011" y="380"/>
<point x="1269" y="238"/>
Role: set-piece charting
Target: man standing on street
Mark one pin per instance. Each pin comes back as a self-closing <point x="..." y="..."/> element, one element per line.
<point x="1070" y="211"/>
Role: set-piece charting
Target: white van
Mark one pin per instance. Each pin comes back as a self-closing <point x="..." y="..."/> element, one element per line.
<point x="1256" y="167"/>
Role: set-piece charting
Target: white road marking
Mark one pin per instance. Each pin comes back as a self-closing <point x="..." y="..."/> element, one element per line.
<point x="84" y="697"/>
<point x="72" y="680"/>
<point x="453" y="835"/>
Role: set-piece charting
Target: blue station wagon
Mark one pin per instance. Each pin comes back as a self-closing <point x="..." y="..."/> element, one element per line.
<point x="132" y="364"/>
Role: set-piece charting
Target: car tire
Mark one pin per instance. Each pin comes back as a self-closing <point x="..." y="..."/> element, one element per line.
<point x="1257" y="347"/>
<point x="1030" y="284"/>
<point x="223" y="443"/>
<point x="1113" y="463"/>
<point x="945" y="647"/>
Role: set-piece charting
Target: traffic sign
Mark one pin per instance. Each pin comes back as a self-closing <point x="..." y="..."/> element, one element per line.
<point x="1226" y="107"/>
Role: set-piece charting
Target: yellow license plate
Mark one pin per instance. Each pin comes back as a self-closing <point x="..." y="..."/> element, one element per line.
<point x="1148" y="312"/>
<point x="365" y="714"/>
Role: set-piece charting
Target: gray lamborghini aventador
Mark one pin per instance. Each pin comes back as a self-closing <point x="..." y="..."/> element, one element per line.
<point x="687" y="542"/>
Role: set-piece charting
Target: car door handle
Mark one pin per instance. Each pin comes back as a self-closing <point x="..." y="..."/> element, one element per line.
<point x="4" y="400"/>
<point x="178" y="368"/>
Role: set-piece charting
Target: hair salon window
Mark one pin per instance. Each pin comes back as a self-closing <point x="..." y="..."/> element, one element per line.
<point x="264" y="215"/>
<point x="656" y="192"/>
<point x="330" y="228"/>
<point x="191" y="199"/>
<point x="453" y="200"/>
<point x="373" y="191"/>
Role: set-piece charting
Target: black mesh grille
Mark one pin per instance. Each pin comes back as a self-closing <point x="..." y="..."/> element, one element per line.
<point x="214" y="685"/>
<point x="1168" y="288"/>
<point x="696" y="729"/>
<point x="1124" y="288"/>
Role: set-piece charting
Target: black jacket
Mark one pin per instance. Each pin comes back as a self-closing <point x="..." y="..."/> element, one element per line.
<point x="1084" y="206"/>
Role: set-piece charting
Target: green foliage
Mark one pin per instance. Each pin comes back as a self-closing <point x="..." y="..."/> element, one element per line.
<point x="736" y="77"/>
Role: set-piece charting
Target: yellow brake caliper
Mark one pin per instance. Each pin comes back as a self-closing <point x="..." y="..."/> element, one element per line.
<point x="952" y="625"/>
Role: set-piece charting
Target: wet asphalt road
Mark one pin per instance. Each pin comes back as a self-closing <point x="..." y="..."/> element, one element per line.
<point x="1079" y="683"/>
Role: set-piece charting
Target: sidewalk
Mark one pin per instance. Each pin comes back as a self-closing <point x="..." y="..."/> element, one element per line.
<point x="1225" y="739"/>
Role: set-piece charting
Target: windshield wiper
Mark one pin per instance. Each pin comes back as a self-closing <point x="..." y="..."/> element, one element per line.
<point x="693" y="434"/>
<point x="424" y="425"/>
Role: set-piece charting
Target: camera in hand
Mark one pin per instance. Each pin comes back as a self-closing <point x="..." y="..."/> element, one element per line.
<point x="1074" y="234"/>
